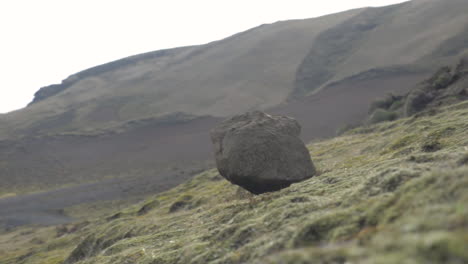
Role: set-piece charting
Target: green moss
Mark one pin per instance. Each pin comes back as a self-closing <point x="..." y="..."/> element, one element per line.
<point x="343" y="129"/>
<point x="403" y="141"/>
<point x="148" y="207"/>
<point x="382" y="115"/>
<point x="326" y="227"/>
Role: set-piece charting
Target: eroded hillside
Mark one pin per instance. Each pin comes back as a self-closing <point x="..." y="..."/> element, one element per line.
<point x="257" y="69"/>
<point x="383" y="195"/>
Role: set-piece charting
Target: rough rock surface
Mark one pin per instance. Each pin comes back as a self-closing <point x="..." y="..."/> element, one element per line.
<point x="261" y="153"/>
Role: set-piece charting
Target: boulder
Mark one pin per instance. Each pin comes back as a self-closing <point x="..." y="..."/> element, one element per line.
<point x="260" y="152"/>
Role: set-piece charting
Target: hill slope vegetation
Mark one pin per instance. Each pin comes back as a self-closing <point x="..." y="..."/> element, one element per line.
<point x="123" y="128"/>
<point x="382" y="196"/>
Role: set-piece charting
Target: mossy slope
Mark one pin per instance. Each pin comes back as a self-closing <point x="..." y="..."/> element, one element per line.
<point x="446" y="86"/>
<point x="382" y="196"/>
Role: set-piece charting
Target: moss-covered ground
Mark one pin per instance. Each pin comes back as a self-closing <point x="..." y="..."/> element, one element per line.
<point x="396" y="192"/>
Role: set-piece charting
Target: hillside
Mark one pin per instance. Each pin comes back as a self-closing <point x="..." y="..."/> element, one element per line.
<point x="256" y="69"/>
<point x="381" y="197"/>
<point x="448" y="85"/>
<point x="140" y="125"/>
<point x="259" y="69"/>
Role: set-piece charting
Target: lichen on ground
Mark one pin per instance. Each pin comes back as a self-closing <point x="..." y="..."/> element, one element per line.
<point x="395" y="192"/>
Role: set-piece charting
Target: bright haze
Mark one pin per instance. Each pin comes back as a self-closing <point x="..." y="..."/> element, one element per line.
<point x="43" y="42"/>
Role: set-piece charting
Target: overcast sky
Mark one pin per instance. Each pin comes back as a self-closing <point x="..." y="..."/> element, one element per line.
<point x="43" y="42"/>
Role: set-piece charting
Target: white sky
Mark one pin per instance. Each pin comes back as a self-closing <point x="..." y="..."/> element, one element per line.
<point x="44" y="41"/>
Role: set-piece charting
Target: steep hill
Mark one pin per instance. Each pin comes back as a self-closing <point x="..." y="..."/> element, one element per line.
<point x="250" y="69"/>
<point x="256" y="69"/>
<point x="141" y="124"/>
<point x="381" y="197"/>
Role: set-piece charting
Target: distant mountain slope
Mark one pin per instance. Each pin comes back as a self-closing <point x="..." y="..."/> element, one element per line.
<point x="256" y="69"/>
<point x="162" y="151"/>
<point x="253" y="69"/>
<point x="410" y="37"/>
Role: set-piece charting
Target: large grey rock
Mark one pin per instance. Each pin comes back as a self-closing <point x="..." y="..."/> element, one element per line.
<point x="260" y="152"/>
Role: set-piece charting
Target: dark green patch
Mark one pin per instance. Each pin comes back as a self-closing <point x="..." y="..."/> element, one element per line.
<point x="382" y="115"/>
<point x="186" y="202"/>
<point x="403" y="142"/>
<point x="463" y="160"/>
<point x="148" y="207"/>
<point x="92" y="245"/>
<point x="431" y="146"/>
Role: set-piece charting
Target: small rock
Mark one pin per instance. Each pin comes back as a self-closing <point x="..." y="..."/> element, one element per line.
<point x="260" y="152"/>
